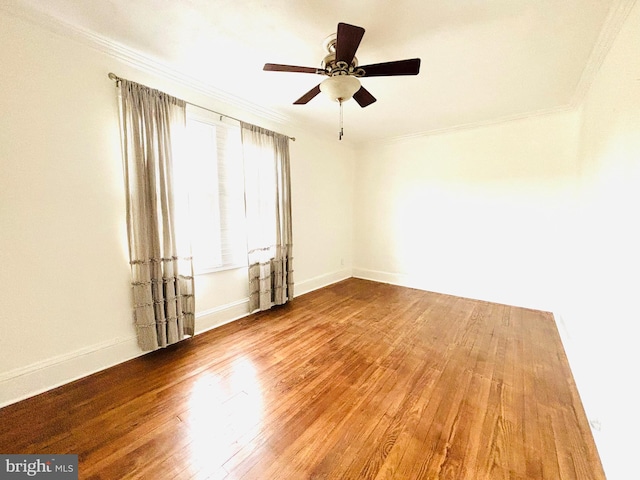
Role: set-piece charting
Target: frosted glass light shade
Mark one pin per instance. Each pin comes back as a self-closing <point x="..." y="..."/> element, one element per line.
<point x="340" y="87"/>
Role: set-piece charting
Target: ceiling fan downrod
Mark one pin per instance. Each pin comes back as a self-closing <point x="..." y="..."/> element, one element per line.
<point x="341" y="121"/>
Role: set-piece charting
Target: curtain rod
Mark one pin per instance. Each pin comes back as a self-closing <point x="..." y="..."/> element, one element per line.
<point x="117" y="79"/>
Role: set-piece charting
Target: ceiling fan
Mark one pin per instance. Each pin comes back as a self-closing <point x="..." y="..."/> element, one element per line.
<point x="341" y="67"/>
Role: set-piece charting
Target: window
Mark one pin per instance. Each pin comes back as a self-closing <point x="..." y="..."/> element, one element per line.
<point x="212" y="176"/>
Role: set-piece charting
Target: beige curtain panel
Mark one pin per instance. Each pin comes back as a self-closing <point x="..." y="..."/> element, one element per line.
<point x="152" y="124"/>
<point x="268" y="213"/>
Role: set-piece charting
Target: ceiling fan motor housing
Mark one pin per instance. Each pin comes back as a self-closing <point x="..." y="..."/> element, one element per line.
<point x="333" y="67"/>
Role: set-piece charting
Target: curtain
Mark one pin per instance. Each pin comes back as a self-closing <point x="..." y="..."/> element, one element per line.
<point x="268" y="214"/>
<point x="152" y="124"/>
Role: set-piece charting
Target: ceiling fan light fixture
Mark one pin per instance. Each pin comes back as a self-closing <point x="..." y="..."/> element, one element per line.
<point x="340" y="65"/>
<point x="340" y="88"/>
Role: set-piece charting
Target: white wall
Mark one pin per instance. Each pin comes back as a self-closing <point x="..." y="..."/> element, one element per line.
<point x="322" y="174"/>
<point x="65" y="302"/>
<point x="482" y="213"/>
<point x="63" y="250"/>
<point x="540" y="212"/>
<point x="602" y="310"/>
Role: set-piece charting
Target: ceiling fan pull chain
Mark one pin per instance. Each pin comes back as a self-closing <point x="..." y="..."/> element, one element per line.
<point x="341" y="121"/>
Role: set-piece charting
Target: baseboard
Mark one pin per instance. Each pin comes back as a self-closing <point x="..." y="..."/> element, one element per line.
<point x="25" y="382"/>
<point x="380" y="276"/>
<point x="409" y="281"/>
<point x="218" y="316"/>
<point x="399" y="279"/>
<point x="320" y="281"/>
<point x="581" y="376"/>
<point x="417" y="282"/>
<point x="31" y="380"/>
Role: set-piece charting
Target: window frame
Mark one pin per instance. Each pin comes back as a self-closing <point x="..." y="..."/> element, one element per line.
<point x="201" y="115"/>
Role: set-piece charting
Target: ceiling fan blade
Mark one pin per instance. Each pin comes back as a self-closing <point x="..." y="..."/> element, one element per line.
<point x="387" y="69"/>
<point x="308" y="96"/>
<point x="363" y="97"/>
<point x="275" y="67"/>
<point x="348" y="39"/>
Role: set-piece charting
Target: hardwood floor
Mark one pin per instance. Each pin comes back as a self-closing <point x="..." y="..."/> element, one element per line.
<point x="359" y="380"/>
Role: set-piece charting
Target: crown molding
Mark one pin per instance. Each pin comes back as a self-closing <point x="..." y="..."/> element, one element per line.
<point x="617" y="16"/>
<point x="478" y="124"/>
<point x="140" y="61"/>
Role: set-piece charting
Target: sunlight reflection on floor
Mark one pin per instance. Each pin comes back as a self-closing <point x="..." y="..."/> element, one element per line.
<point x="225" y="413"/>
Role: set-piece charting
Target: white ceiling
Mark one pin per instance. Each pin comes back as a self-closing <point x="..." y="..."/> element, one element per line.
<point x="482" y="60"/>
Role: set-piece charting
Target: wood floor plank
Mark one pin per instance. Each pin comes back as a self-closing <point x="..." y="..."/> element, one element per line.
<point x="358" y="380"/>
